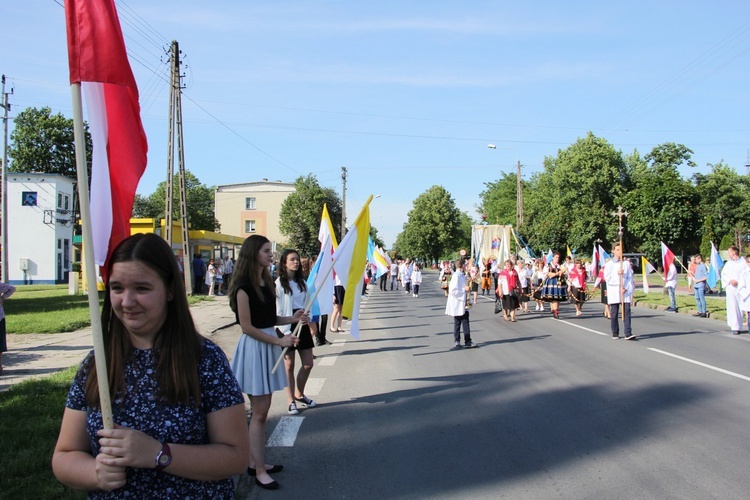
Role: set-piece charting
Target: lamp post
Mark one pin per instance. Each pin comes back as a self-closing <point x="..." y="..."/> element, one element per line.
<point x="519" y="191"/>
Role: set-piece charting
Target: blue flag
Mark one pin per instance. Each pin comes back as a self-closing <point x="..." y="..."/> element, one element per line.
<point x="714" y="267"/>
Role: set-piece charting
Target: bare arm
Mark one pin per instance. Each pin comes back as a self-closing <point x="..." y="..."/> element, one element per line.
<point x="224" y="456"/>
<point x="72" y="461"/>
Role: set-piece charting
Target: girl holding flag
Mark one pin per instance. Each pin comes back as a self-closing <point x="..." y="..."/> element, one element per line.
<point x="291" y="294"/>
<point x="252" y="298"/>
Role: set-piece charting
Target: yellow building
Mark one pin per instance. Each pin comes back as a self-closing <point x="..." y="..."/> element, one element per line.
<point x="207" y="243"/>
<point x="251" y="208"/>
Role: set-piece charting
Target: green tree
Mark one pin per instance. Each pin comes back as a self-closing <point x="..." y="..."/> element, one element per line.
<point x="375" y="238"/>
<point x="433" y="226"/>
<point x="43" y="142"/>
<point x="301" y="212"/>
<point x="663" y="206"/>
<point x="725" y="198"/>
<point x="571" y="201"/>
<point x="498" y="200"/>
<point x="199" y="198"/>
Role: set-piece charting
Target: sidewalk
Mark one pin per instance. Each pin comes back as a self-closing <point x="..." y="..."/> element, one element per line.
<point x="37" y="355"/>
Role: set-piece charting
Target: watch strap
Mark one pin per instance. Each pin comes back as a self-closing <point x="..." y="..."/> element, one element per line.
<point x="164" y="457"/>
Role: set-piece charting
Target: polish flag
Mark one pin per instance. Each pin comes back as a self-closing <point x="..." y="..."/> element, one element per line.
<point x="98" y="61"/>
<point x="667" y="257"/>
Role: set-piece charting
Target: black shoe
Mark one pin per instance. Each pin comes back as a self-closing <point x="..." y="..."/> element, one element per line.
<point x="735" y="332"/>
<point x="698" y="315"/>
<point x="272" y="470"/>
<point x="273" y="485"/>
<point x="631" y="337"/>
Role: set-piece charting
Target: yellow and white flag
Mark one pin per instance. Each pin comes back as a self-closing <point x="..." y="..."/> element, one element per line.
<point x="349" y="261"/>
<point x="647" y="269"/>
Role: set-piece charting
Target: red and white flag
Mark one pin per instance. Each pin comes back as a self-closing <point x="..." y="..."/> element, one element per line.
<point x="667" y="257"/>
<point x="98" y="61"/>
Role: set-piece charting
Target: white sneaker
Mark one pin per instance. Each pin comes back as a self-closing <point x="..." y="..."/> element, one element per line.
<point x="293" y="409"/>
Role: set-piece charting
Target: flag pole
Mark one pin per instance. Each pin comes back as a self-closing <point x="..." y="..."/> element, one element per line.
<point x="308" y="306"/>
<point x="88" y="258"/>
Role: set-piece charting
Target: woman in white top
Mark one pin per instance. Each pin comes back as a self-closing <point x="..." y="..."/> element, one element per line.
<point x="291" y="294"/>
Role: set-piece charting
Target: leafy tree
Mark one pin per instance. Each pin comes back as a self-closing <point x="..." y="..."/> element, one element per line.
<point x="43" y="142"/>
<point x="498" y="200"/>
<point x="199" y="198"/>
<point x="433" y="226"/>
<point x="663" y="206"/>
<point x="299" y="219"/>
<point x="725" y="198"/>
<point x="571" y="202"/>
<point x="375" y="238"/>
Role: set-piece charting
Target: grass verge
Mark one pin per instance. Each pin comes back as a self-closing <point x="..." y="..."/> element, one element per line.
<point x="49" y="309"/>
<point x="31" y="413"/>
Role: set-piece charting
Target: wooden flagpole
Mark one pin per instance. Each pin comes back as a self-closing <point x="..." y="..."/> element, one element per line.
<point x="620" y="214"/>
<point x="88" y="258"/>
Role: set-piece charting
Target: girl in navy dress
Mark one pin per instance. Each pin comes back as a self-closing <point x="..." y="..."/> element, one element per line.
<point x="178" y="411"/>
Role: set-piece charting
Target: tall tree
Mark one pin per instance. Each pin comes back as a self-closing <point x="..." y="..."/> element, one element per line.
<point x="43" y="142"/>
<point x="571" y="201"/>
<point x="498" y="200"/>
<point x="199" y="197"/>
<point x="299" y="219"/>
<point x="663" y="206"/>
<point x="433" y="226"/>
<point x="724" y="199"/>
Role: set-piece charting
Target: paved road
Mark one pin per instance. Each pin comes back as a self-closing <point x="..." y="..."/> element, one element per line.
<point x="543" y="408"/>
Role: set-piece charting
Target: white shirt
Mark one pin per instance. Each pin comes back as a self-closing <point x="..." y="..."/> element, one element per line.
<point x="731" y="271"/>
<point x="612" y="278"/>
<point x="671" y="280"/>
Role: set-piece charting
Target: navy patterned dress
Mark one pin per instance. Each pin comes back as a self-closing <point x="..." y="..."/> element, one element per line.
<point x="140" y="409"/>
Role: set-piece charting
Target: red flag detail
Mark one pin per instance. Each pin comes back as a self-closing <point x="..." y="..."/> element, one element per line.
<point x="667" y="257"/>
<point x="98" y="60"/>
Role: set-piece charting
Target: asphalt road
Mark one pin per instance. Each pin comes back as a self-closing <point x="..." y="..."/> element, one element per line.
<point x="543" y="408"/>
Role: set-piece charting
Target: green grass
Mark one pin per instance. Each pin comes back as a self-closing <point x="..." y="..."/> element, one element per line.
<point x="31" y="413"/>
<point x="49" y="309"/>
<point x="716" y="306"/>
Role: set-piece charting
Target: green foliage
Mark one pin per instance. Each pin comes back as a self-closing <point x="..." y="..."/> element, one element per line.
<point x="433" y="226"/>
<point x="663" y="206"/>
<point x="31" y="413"/>
<point x="301" y="212"/>
<point x="570" y="203"/>
<point x="727" y="241"/>
<point x="498" y="200"/>
<point x="199" y="198"/>
<point x="375" y="238"/>
<point x="725" y="198"/>
<point x="43" y="142"/>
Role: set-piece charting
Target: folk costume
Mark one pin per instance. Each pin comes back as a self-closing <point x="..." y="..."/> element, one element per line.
<point x="554" y="288"/>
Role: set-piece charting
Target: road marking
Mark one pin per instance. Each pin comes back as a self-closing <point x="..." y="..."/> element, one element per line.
<point x="313" y="386"/>
<point x="286" y="432"/>
<point x="579" y="326"/>
<point x="327" y="361"/>
<point x="704" y="365"/>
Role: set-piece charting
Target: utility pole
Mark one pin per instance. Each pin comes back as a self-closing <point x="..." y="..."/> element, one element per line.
<point x="175" y="117"/>
<point x="343" y="203"/>
<point x="4" y="188"/>
<point x="519" y="196"/>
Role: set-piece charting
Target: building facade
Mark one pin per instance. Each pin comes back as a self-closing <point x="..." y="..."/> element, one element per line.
<point x="40" y="228"/>
<point x="252" y="208"/>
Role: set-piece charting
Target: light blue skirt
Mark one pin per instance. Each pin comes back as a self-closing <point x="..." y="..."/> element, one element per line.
<point x="252" y="364"/>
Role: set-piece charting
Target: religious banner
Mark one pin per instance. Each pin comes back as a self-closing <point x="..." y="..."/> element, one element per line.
<point x="491" y="241"/>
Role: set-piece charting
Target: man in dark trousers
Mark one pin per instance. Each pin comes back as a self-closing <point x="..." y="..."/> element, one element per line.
<point x="199" y="274"/>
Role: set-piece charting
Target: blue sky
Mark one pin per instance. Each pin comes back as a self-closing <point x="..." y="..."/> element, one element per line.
<point x="407" y="95"/>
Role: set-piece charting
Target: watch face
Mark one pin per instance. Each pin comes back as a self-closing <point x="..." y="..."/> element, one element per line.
<point x="164" y="459"/>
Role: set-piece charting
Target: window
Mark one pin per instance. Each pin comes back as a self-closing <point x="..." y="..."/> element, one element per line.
<point x="66" y="203"/>
<point x="28" y="198"/>
<point x="249" y="226"/>
<point x="249" y="204"/>
<point x="59" y="200"/>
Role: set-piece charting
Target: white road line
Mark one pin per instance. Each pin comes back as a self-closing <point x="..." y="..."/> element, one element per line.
<point x="327" y="361"/>
<point x="313" y="386"/>
<point x="579" y="326"/>
<point x="704" y="365"/>
<point x="286" y="432"/>
<point x="698" y="363"/>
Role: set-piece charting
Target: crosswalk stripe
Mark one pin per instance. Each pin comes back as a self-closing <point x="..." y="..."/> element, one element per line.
<point x="285" y="433"/>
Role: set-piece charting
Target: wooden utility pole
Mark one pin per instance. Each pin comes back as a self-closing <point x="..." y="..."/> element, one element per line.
<point x="175" y="117"/>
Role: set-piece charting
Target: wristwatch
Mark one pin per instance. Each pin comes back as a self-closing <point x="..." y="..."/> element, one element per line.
<point x="164" y="457"/>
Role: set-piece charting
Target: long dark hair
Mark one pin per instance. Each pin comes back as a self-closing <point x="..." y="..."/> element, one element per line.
<point x="178" y="345"/>
<point x="299" y="275"/>
<point x="246" y="270"/>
